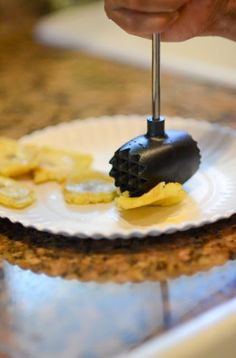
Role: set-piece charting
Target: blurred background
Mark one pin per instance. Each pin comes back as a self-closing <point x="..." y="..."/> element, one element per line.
<point x="63" y="59"/>
<point x="86" y="27"/>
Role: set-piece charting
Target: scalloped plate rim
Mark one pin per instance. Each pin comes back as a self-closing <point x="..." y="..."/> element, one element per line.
<point x="118" y="235"/>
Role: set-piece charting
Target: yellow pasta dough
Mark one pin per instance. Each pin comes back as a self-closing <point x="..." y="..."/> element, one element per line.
<point x="91" y="187"/>
<point x="161" y="195"/>
<point x="58" y="165"/>
<point x="14" y="194"/>
<point x="15" y="158"/>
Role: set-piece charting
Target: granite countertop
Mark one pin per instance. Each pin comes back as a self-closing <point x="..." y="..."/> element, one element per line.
<point x="54" y="291"/>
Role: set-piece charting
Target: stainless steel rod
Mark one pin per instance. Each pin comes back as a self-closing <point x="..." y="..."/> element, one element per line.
<point x="156" y="82"/>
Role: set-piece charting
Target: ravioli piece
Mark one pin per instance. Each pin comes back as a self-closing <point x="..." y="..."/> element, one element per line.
<point x="15" y="158"/>
<point x="161" y="195"/>
<point x="58" y="165"/>
<point x="91" y="187"/>
<point x="14" y="194"/>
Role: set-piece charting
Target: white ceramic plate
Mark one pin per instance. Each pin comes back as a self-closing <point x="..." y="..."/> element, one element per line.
<point x="211" y="192"/>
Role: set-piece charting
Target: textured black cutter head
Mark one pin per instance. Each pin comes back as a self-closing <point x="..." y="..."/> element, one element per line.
<point x="147" y="160"/>
<point x="127" y="172"/>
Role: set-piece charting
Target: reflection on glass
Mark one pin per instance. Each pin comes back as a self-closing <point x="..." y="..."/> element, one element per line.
<point x="102" y="319"/>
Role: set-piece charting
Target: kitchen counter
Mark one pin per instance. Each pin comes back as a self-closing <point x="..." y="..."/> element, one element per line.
<point x="65" y="297"/>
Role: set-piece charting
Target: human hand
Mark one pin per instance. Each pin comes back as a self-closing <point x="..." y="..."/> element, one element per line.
<point x="176" y="20"/>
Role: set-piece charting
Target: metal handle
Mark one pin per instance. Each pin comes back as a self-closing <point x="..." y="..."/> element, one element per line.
<point x="156" y="87"/>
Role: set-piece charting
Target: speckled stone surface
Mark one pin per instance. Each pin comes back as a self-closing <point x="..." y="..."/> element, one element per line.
<point x="63" y="297"/>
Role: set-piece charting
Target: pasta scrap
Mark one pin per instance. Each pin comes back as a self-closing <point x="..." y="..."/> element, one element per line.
<point x="15" y="158"/>
<point x="162" y="195"/>
<point x="58" y="165"/>
<point x="89" y="188"/>
<point x="14" y="194"/>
